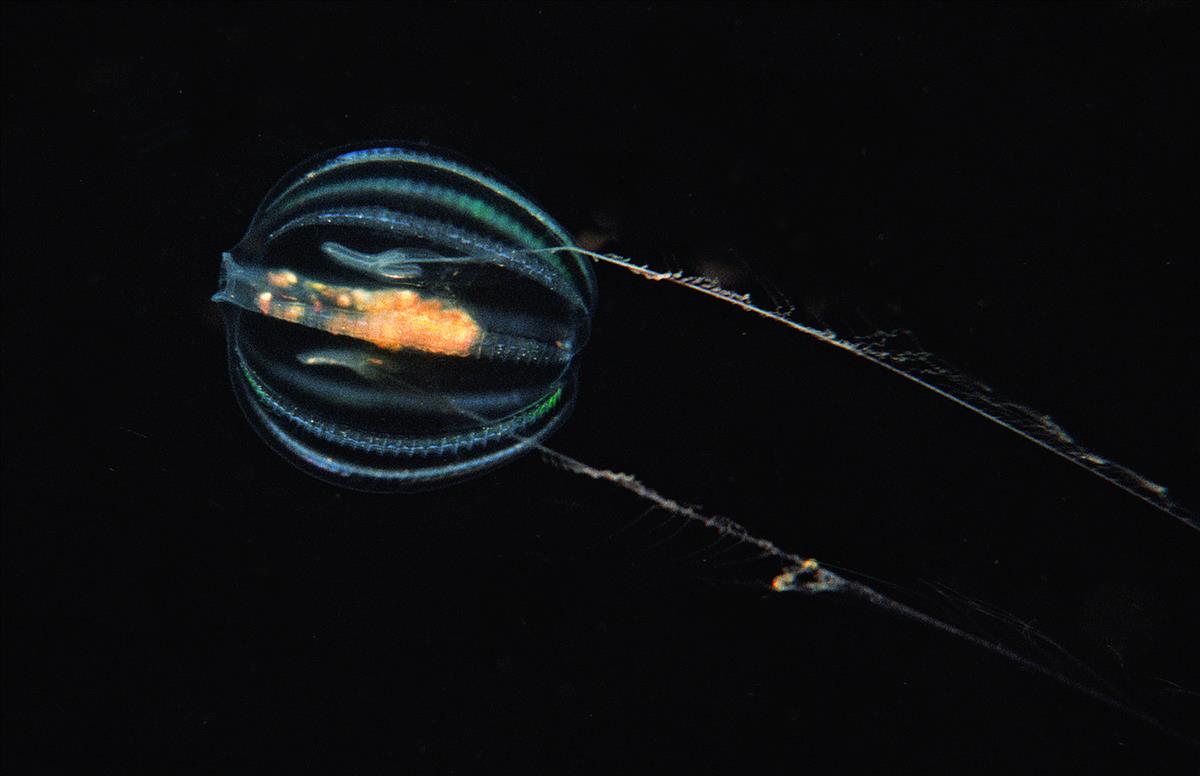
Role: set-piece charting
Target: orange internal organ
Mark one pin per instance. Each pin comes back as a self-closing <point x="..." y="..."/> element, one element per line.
<point x="391" y="318"/>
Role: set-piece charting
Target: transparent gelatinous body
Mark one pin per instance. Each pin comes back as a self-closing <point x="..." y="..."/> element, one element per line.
<point x="397" y="319"/>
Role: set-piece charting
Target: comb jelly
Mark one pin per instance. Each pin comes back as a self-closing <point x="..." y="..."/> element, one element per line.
<point x="399" y="320"/>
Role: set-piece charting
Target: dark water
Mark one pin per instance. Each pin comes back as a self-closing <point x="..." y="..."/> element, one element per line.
<point x="1011" y="183"/>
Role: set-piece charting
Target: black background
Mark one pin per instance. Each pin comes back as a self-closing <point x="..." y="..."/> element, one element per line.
<point x="1013" y="183"/>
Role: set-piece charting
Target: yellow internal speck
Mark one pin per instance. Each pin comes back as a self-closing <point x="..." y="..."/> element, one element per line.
<point x="292" y="312"/>
<point x="343" y="299"/>
<point x="282" y="278"/>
